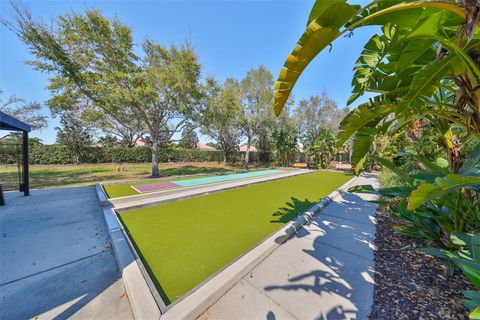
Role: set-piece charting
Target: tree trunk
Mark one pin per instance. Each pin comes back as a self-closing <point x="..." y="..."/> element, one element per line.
<point x="456" y="158"/>
<point x="155" y="172"/>
<point x="224" y="156"/>
<point x="247" y="154"/>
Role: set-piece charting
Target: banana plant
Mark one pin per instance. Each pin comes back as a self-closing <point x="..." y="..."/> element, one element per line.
<point x="426" y="50"/>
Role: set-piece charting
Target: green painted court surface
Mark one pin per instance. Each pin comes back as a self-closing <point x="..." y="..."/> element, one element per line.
<point x="183" y="243"/>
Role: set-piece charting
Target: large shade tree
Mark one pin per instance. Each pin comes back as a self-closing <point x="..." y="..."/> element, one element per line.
<point x="318" y="118"/>
<point x="221" y="121"/>
<point x="257" y="115"/>
<point x="93" y="68"/>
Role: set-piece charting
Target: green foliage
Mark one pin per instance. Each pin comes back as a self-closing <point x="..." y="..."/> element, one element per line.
<point x="256" y="117"/>
<point x="416" y="67"/>
<point x="60" y="154"/>
<point x="74" y="135"/>
<point x="189" y="139"/>
<point x="465" y="254"/>
<point x="108" y="141"/>
<point x="423" y="70"/>
<point x="443" y="208"/>
<point x="221" y="120"/>
<point x="284" y="140"/>
<point x="321" y="149"/>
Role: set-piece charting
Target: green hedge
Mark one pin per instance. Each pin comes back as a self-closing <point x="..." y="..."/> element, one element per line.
<point x="59" y="154"/>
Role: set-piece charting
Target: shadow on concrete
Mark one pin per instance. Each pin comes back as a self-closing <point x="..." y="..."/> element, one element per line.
<point x="61" y="293"/>
<point x="342" y="246"/>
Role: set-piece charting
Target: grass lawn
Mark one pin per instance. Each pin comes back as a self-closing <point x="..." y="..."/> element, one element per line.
<point x="183" y="243"/>
<point x="47" y="176"/>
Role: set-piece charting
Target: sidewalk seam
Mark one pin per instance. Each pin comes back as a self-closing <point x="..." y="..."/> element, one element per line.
<point x="50" y="269"/>
<point x="268" y="297"/>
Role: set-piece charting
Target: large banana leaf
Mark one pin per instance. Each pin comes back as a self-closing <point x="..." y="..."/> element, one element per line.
<point x="472" y="161"/>
<point x="423" y="85"/>
<point x="360" y="117"/>
<point x="475" y="314"/>
<point x="331" y="19"/>
<point x="442" y="186"/>
<point x="397" y="170"/>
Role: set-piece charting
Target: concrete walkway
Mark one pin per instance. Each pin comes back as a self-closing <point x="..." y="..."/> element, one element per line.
<point x="324" y="272"/>
<point x="56" y="261"/>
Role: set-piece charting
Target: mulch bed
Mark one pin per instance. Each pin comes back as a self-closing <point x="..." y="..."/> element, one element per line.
<point x="410" y="284"/>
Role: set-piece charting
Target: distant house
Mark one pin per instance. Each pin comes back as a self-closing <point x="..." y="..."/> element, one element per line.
<point x="140" y="142"/>
<point x="201" y="146"/>
<point x="244" y="148"/>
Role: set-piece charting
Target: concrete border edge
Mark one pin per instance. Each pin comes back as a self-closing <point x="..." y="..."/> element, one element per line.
<point x="139" y="295"/>
<point x="102" y="197"/>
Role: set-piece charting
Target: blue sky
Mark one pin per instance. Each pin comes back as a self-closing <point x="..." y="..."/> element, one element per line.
<point x="230" y="37"/>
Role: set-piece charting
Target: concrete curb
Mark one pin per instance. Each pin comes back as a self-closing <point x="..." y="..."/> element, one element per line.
<point x="206" y="294"/>
<point x="102" y="197"/>
<point x="142" y="302"/>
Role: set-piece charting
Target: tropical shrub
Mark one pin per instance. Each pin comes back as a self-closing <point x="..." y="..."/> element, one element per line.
<point x="321" y="150"/>
<point x="285" y="145"/>
<point x="423" y="65"/>
<point x="423" y="69"/>
<point x="443" y="208"/>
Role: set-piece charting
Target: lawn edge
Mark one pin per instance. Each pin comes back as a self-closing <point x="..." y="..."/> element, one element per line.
<point x="146" y="302"/>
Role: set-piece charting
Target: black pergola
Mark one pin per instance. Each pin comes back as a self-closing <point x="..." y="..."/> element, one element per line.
<point x="12" y="124"/>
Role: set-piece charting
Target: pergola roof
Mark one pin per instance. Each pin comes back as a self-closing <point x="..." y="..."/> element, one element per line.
<point x="12" y="124"/>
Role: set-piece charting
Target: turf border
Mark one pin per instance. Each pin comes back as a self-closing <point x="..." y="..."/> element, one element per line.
<point x="192" y="304"/>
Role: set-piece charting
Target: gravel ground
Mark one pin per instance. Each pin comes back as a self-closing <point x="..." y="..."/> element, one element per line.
<point x="410" y="284"/>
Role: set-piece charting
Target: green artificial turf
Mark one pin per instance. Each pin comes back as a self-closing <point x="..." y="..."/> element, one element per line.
<point x="183" y="243"/>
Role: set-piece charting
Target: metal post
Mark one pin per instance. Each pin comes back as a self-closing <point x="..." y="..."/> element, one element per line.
<point x="26" y="185"/>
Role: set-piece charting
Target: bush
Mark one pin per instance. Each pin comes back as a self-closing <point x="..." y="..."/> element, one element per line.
<point x="59" y="154"/>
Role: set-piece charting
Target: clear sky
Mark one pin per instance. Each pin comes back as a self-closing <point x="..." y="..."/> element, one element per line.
<point x="230" y="37"/>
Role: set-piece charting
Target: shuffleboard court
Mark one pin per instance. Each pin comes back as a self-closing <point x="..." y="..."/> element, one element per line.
<point x="183" y="243"/>
<point x="155" y="186"/>
<point x="229" y="177"/>
<point x="160" y="186"/>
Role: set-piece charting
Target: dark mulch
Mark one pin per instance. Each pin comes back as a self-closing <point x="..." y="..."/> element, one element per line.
<point x="410" y="284"/>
